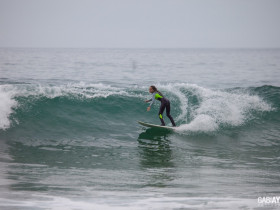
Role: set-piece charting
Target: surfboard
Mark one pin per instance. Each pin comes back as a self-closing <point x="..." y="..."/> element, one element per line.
<point x="155" y="126"/>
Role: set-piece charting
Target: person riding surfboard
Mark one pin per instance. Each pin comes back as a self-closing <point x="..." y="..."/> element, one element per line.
<point x="165" y="103"/>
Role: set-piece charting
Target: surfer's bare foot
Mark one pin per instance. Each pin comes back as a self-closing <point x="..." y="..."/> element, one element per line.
<point x="162" y="125"/>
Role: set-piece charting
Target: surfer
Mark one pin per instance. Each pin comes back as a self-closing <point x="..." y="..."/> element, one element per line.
<point x="165" y="103"/>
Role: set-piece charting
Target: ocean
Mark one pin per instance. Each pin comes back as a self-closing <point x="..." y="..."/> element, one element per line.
<point x="69" y="137"/>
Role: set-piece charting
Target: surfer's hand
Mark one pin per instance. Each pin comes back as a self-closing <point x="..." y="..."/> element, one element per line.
<point x="146" y="101"/>
<point x="149" y="108"/>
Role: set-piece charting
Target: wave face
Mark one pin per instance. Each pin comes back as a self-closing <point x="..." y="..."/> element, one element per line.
<point x="41" y="111"/>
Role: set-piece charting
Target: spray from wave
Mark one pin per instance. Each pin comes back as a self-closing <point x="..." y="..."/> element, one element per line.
<point x="7" y="103"/>
<point x="206" y="110"/>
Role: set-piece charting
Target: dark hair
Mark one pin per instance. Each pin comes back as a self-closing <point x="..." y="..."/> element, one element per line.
<point x="156" y="90"/>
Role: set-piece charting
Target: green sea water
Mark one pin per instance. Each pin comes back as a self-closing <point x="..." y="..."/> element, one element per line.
<point x="69" y="137"/>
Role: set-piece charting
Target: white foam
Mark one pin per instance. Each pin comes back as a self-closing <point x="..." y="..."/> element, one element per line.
<point x="71" y="89"/>
<point x="202" y="123"/>
<point x="126" y="202"/>
<point x="218" y="108"/>
<point x="6" y="105"/>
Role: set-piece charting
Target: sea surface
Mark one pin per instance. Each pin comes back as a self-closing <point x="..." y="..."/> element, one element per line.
<point x="69" y="137"/>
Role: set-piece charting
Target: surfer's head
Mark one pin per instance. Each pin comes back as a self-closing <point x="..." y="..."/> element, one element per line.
<point x="152" y="89"/>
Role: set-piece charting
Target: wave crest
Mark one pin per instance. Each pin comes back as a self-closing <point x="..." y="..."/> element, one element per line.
<point x="195" y="108"/>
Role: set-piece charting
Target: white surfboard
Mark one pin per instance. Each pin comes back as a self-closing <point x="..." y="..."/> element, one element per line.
<point x="156" y="126"/>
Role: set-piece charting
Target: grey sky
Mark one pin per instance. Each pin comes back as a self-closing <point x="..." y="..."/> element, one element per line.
<point x="142" y="23"/>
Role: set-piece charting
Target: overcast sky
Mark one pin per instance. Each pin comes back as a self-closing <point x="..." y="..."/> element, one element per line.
<point x="142" y="23"/>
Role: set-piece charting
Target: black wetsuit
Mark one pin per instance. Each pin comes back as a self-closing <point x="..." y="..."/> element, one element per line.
<point x="165" y="103"/>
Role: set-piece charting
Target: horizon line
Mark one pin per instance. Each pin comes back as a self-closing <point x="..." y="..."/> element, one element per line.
<point x="14" y="47"/>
